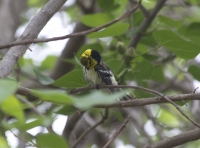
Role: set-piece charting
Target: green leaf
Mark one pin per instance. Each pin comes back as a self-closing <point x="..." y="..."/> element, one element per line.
<point x="114" y="30"/>
<point x="116" y="65"/>
<point x="133" y="32"/>
<point x="55" y="96"/>
<point x="148" y="4"/>
<point x="193" y="29"/>
<point x="194" y="71"/>
<point x="158" y="74"/>
<point x="182" y="103"/>
<point x="45" y="80"/>
<point x="168" y="119"/>
<point x="95" y="111"/>
<point x="72" y="79"/>
<point x="150" y="57"/>
<point x="96" y="98"/>
<point x="97" y="19"/>
<point x="43" y="121"/>
<point x="107" y="5"/>
<point x="141" y="49"/>
<point x="176" y="44"/>
<point x="65" y="110"/>
<point x="148" y="40"/>
<point x="7" y="88"/>
<point x="13" y="107"/>
<point x="170" y="22"/>
<point x="142" y="94"/>
<point x="51" y="141"/>
<point x="192" y="32"/>
<point x="3" y="143"/>
<point x="49" y="62"/>
<point x="78" y="61"/>
<point x="36" y="3"/>
<point x="119" y="116"/>
<point x="138" y="17"/>
<point x="143" y="71"/>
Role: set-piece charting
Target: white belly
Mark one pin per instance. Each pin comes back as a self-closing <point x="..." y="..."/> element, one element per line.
<point x="92" y="77"/>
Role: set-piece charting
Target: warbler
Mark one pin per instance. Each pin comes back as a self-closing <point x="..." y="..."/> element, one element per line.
<point x="96" y="72"/>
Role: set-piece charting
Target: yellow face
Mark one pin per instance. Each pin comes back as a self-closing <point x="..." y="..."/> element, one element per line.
<point x="87" y="60"/>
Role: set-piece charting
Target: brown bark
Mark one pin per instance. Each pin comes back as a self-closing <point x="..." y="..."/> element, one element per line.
<point x="10" y="15"/>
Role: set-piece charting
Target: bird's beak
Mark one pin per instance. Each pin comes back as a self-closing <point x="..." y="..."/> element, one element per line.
<point x="84" y="60"/>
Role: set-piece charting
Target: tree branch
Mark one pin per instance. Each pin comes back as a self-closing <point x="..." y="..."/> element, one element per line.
<point x="30" y="33"/>
<point x="143" y="89"/>
<point x="70" y="125"/>
<point x="26" y="92"/>
<point x="10" y="18"/>
<point x="118" y="131"/>
<point x="142" y="102"/>
<point x="130" y="103"/>
<point x="177" y="140"/>
<point x="83" y="33"/>
<point x="142" y="8"/>
<point x="91" y="128"/>
<point x="146" y="23"/>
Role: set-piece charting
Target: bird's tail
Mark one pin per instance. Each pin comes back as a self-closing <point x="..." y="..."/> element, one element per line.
<point x="126" y="97"/>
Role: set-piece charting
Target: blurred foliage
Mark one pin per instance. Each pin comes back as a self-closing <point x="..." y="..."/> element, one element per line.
<point x="164" y="51"/>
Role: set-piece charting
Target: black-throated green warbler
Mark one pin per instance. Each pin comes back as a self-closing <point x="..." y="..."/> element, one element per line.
<point x="96" y="72"/>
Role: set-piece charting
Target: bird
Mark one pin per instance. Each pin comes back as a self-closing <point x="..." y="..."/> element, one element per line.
<point x="97" y="73"/>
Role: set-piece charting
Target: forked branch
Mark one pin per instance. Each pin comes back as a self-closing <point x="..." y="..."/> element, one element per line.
<point x="105" y="116"/>
<point x="118" y="131"/>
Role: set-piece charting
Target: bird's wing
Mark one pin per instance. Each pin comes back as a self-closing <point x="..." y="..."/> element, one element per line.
<point x="106" y="74"/>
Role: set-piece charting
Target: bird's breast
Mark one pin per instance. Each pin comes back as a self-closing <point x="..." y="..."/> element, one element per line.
<point x="92" y="77"/>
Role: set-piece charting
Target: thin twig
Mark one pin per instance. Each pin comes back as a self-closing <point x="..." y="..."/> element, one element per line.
<point x="24" y="138"/>
<point x="105" y="116"/>
<point x="83" y="33"/>
<point x="34" y="109"/>
<point x="146" y="23"/>
<point x="181" y="111"/>
<point x="76" y="109"/>
<point x="195" y="90"/>
<point x="143" y="89"/>
<point x="30" y="49"/>
<point x="138" y="124"/>
<point x="26" y="92"/>
<point x="142" y="8"/>
<point x="118" y="131"/>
